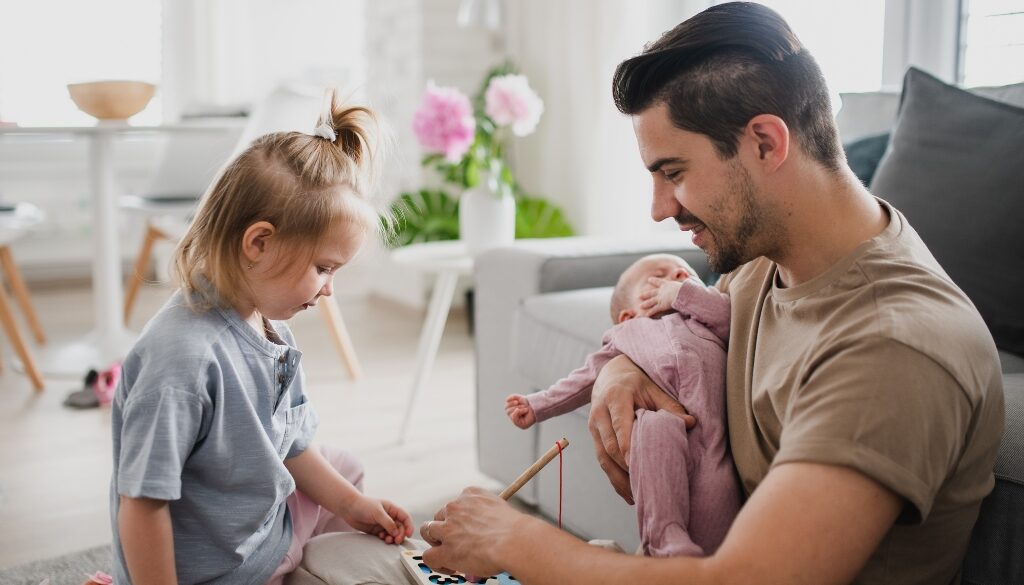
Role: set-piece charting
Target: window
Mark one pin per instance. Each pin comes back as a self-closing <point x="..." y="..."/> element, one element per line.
<point x="991" y="42"/>
<point x="844" y="37"/>
<point x="47" y="44"/>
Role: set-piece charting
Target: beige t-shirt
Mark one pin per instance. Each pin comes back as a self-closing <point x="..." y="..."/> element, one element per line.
<point x="882" y="365"/>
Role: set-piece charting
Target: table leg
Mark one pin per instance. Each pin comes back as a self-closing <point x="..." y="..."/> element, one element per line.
<point x="430" y="339"/>
<point x="109" y="340"/>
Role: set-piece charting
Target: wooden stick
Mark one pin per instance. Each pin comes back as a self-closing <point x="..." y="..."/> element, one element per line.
<point x="533" y="469"/>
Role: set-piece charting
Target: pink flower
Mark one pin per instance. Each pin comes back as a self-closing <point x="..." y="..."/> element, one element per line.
<point x="444" y="122"/>
<point x="510" y="100"/>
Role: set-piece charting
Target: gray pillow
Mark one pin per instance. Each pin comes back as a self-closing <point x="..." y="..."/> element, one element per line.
<point x="955" y="168"/>
<point x="864" y="154"/>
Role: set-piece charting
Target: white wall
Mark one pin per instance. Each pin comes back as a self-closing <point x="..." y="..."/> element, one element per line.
<point x="583" y="155"/>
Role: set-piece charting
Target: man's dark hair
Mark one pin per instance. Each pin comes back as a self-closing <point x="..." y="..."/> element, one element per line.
<point x="726" y="65"/>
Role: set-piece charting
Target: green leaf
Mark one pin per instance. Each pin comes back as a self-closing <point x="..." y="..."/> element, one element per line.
<point x="424" y="216"/>
<point x="538" y="218"/>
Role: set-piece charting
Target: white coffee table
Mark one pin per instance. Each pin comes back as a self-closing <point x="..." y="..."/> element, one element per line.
<point x="447" y="261"/>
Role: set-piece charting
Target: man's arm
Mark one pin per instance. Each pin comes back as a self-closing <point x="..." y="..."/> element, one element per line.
<point x="806" y="523"/>
<point x="147" y="539"/>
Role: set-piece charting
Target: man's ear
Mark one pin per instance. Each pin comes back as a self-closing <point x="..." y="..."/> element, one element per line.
<point x="255" y="239"/>
<point x="769" y="135"/>
<point x="626" y="315"/>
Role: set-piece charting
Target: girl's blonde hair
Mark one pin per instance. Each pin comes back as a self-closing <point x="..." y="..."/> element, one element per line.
<point x="304" y="185"/>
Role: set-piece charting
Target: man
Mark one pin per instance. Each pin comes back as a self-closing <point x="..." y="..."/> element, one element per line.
<point x="863" y="389"/>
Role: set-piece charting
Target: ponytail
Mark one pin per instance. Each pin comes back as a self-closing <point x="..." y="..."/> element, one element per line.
<point x="303" y="184"/>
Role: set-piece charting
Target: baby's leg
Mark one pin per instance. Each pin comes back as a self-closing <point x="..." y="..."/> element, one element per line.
<point x="659" y="471"/>
<point x="309" y="519"/>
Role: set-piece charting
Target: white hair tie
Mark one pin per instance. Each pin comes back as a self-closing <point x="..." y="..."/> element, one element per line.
<point x="326" y="132"/>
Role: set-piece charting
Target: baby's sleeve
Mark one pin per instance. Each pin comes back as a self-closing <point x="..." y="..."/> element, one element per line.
<point x="157" y="434"/>
<point x="573" y="391"/>
<point x="706" y="304"/>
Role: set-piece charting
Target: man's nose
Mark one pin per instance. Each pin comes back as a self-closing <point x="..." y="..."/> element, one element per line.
<point x="664" y="204"/>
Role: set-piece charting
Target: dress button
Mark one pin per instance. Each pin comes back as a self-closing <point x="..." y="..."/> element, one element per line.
<point x="283" y="358"/>
<point x="280" y="379"/>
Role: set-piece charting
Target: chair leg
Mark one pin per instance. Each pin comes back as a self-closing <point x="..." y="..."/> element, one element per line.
<point x="21" y="293"/>
<point x="131" y="288"/>
<point x="7" y="320"/>
<point x="332" y="315"/>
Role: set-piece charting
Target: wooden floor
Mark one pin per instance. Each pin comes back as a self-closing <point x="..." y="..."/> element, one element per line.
<point x="55" y="462"/>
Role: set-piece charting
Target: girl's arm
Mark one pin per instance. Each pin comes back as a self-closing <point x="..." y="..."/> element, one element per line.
<point x="316" y="478"/>
<point x="147" y="540"/>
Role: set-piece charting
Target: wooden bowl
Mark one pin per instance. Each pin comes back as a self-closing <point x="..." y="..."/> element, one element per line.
<point x="111" y="100"/>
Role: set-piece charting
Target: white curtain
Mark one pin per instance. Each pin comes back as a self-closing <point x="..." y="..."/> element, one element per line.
<point x="584" y="155"/>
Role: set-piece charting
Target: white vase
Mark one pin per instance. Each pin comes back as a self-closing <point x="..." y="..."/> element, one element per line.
<point x="487" y="216"/>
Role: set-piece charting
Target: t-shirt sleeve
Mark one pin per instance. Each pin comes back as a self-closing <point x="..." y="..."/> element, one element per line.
<point x="158" y="432"/>
<point x="885" y="410"/>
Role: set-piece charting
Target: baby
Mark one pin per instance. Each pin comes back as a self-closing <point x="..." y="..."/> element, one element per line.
<point x="676" y="329"/>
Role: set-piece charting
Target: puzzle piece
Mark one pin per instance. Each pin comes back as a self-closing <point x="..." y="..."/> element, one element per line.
<point x="412" y="560"/>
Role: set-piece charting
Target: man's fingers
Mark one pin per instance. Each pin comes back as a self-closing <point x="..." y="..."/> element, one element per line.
<point x="430" y="532"/>
<point x="622" y="417"/>
<point x="618" y="477"/>
<point x="602" y="430"/>
<point x="665" y="402"/>
<point x="434" y="558"/>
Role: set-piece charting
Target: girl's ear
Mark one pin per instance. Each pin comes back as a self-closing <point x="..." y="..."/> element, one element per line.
<point x="255" y="240"/>
<point x="626" y="315"/>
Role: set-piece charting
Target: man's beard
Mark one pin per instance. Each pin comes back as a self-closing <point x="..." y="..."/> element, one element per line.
<point x="727" y="253"/>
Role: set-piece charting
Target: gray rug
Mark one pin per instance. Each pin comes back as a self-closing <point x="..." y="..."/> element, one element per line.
<point x="70" y="569"/>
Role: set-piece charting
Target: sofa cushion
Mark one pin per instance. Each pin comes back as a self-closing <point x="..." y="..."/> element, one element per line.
<point x="996" y="552"/>
<point x="863" y="155"/>
<point x="555" y="329"/>
<point x="955" y="168"/>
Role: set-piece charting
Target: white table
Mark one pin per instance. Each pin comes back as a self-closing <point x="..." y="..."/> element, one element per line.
<point x="109" y="340"/>
<point x="448" y="261"/>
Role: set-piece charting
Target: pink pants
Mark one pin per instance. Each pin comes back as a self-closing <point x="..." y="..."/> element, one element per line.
<point x="309" y="519"/>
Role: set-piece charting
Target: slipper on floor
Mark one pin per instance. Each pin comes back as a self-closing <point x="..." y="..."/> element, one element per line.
<point x="86" y="397"/>
<point x="97" y="388"/>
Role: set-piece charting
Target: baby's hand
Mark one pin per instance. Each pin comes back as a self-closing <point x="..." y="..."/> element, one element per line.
<point x="380" y="518"/>
<point x="519" y="411"/>
<point x="657" y="296"/>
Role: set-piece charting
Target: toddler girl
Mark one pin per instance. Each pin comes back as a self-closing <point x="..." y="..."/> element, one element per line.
<point x="675" y="329"/>
<point x="215" y="476"/>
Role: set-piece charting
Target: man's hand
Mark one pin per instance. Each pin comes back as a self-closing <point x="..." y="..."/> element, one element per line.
<point x="519" y="411"/>
<point x="471" y="532"/>
<point x="620" y="389"/>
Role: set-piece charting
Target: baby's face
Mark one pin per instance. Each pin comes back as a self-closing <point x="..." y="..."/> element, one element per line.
<point x="664" y="266"/>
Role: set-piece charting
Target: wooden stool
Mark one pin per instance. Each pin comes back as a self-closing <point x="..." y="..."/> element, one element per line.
<point x="13" y="224"/>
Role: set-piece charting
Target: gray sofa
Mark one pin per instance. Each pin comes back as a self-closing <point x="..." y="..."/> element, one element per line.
<point x="541" y="307"/>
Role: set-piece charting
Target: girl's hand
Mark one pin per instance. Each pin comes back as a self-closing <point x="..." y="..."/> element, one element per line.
<point x="381" y="518"/>
<point x="519" y="411"/>
<point x="657" y="296"/>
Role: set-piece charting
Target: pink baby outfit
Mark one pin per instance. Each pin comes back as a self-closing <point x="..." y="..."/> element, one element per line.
<point x="683" y="482"/>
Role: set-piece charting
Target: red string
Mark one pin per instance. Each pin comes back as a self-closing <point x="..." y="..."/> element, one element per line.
<point x="559" y="444"/>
